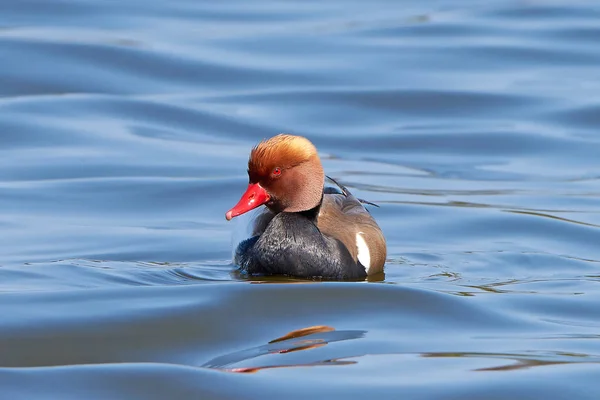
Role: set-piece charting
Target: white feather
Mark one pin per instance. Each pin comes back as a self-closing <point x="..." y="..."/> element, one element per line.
<point x="364" y="257"/>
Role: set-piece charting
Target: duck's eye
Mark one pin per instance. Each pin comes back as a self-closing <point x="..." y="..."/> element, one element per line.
<point x="276" y="171"/>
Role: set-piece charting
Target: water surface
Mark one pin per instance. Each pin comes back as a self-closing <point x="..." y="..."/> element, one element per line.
<point x="124" y="132"/>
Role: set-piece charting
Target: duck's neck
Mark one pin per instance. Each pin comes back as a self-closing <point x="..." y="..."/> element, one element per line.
<point x="313" y="213"/>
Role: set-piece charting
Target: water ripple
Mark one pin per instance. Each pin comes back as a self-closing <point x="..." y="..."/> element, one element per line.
<point x="125" y="135"/>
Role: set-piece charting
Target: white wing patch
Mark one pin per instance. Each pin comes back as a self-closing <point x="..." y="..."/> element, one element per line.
<point x="364" y="257"/>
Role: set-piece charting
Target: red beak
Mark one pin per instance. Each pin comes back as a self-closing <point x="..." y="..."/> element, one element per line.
<point x="255" y="196"/>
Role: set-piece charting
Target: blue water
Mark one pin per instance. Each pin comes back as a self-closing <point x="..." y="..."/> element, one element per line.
<point x="125" y="129"/>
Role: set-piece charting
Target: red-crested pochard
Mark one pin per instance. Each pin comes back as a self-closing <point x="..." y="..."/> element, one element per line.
<point x="306" y="230"/>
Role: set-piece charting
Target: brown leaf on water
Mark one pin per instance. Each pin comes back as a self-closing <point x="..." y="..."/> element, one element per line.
<point x="303" y="332"/>
<point x="244" y="370"/>
<point x="306" y="347"/>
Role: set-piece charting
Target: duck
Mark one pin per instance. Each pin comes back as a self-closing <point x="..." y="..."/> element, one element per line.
<point x="305" y="230"/>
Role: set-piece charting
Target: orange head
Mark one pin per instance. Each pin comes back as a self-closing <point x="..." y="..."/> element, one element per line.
<point x="285" y="173"/>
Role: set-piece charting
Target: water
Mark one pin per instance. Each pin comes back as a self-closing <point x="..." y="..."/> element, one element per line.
<point x="125" y="128"/>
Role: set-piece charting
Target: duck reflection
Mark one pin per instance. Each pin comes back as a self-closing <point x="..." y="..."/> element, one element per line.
<point x="261" y="279"/>
<point x="308" y="338"/>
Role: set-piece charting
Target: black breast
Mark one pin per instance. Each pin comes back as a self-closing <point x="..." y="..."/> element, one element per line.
<point x="293" y="245"/>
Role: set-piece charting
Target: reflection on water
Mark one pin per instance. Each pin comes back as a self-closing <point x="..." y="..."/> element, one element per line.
<point x="319" y="336"/>
<point x="125" y="132"/>
<point x="312" y="338"/>
<point x="523" y="361"/>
